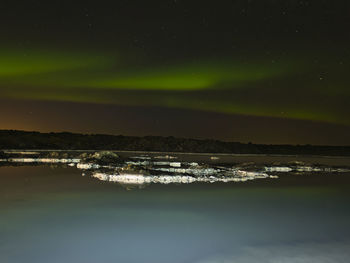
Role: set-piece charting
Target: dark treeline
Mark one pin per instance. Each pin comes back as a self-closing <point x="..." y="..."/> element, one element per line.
<point x="11" y="139"/>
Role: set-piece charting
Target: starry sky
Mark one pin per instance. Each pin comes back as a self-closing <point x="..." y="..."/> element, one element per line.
<point x="261" y="71"/>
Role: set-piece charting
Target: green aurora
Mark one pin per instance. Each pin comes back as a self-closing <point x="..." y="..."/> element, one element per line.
<point x="283" y="89"/>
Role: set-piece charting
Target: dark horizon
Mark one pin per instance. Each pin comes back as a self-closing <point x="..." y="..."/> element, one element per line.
<point x="44" y="117"/>
<point x="66" y="141"/>
<point x="166" y="136"/>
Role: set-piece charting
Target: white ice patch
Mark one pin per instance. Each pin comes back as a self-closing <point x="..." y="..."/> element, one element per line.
<point x="87" y="166"/>
<point x="132" y="178"/>
<point x="193" y="171"/>
<point x="280" y="169"/>
<point x="172" y="164"/>
<point x="308" y="169"/>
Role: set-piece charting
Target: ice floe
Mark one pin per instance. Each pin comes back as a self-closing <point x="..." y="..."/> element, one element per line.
<point x="171" y="179"/>
<point x="144" y="169"/>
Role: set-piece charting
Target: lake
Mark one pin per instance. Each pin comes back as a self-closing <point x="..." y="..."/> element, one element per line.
<point x="54" y="214"/>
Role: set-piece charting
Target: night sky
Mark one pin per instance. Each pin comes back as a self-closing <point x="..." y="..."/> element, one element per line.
<point x="262" y="71"/>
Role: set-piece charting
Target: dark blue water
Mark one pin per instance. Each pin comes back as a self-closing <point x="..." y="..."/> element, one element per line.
<point x="57" y="215"/>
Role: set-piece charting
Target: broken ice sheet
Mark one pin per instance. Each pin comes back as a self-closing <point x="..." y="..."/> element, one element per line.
<point x="145" y="169"/>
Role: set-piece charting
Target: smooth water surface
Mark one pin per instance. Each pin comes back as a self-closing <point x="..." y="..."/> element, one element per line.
<point x="57" y="215"/>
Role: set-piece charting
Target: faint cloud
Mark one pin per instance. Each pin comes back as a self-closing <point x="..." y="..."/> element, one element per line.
<point x="301" y="253"/>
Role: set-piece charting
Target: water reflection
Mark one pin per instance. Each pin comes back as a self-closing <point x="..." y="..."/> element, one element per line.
<point x="55" y="215"/>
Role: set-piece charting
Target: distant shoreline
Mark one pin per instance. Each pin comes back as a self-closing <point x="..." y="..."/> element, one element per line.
<point x="65" y="141"/>
<point x="179" y="153"/>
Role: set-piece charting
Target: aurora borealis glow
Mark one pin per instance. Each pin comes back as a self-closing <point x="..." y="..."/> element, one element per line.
<point x="241" y="58"/>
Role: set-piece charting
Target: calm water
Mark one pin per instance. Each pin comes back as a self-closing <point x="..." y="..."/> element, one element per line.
<point x="57" y="215"/>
